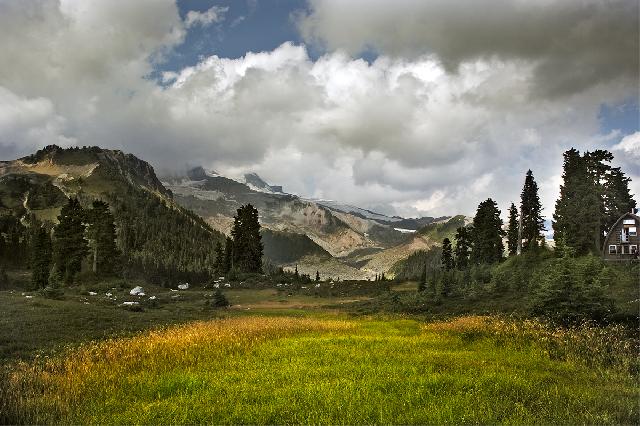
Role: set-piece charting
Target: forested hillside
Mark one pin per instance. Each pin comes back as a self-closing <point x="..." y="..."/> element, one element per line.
<point x="157" y="238"/>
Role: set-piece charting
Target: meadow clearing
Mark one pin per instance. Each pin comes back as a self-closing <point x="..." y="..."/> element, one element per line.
<point x="316" y="365"/>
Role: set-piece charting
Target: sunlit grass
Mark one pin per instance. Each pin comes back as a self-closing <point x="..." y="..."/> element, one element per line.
<point x="305" y="370"/>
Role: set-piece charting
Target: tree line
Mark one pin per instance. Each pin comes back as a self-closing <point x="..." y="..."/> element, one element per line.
<point x="565" y="283"/>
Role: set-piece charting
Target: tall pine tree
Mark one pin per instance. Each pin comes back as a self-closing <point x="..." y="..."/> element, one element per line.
<point x="512" y="232"/>
<point x="101" y="231"/>
<point x="247" y="241"/>
<point x="463" y="247"/>
<point x="487" y="234"/>
<point x="593" y="195"/>
<point x="69" y="245"/>
<point x="447" y="255"/>
<point x="219" y="262"/>
<point x="531" y="210"/>
<point x="41" y="258"/>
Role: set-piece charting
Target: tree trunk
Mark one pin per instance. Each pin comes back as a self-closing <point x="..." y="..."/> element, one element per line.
<point x="95" y="258"/>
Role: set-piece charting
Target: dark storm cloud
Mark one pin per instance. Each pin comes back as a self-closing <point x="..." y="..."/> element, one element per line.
<point x="574" y="44"/>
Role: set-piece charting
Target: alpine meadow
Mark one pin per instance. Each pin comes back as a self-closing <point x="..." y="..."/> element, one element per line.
<point x="319" y="212"/>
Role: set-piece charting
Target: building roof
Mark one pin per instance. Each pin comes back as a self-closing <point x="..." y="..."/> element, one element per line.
<point x="627" y="214"/>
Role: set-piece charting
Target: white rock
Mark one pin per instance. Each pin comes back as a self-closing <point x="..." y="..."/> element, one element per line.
<point x="317" y="285"/>
<point x="28" y="297"/>
<point x="152" y="298"/>
<point x="216" y="285"/>
<point x="137" y="291"/>
<point x="173" y="289"/>
<point x="92" y="293"/>
<point x="227" y="285"/>
<point x="129" y="303"/>
<point x="108" y="294"/>
<point x="183" y="286"/>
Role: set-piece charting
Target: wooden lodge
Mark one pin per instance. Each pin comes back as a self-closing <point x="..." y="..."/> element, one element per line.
<point x="622" y="240"/>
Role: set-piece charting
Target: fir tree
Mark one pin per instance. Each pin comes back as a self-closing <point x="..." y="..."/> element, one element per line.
<point x="102" y="234"/>
<point x="593" y="195"/>
<point x="228" y="255"/>
<point x="219" y="300"/>
<point x="41" y="258"/>
<point x="248" y="248"/>
<point x="422" y="285"/>
<point x="463" y="247"/>
<point x="218" y="266"/>
<point x="69" y="245"/>
<point x="531" y="210"/>
<point x="447" y="255"/>
<point x="513" y="233"/>
<point x="487" y="234"/>
<point x="317" y="275"/>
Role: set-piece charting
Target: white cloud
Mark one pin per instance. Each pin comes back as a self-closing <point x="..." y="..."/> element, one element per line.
<point x="403" y="132"/>
<point x="214" y="15"/>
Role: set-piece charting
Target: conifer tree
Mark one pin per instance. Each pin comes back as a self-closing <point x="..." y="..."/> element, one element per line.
<point x="247" y="241"/>
<point x="463" y="247"/>
<point x="593" y="195"/>
<point x="102" y="234"/>
<point x="422" y="285"/>
<point x="531" y="210"/>
<point x="41" y="258"/>
<point x="487" y="234"/>
<point x="317" y="275"/>
<point x="228" y="255"/>
<point x="219" y="266"/>
<point x="447" y="255"/>
<point x="69" y="245"/>
<point x="512" y="232"/>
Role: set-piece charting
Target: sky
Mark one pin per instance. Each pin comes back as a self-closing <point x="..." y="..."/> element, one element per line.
<point x="407" y="107"/>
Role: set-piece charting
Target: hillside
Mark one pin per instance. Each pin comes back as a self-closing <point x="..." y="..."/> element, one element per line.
<point x="159" y="239"/>
<point x="360" y="242"/>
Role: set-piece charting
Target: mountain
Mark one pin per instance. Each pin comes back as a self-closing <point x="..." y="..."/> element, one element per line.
<point x="168" y="230"/>
<point x="159" y="239"/>
<point x="336" y="239"/>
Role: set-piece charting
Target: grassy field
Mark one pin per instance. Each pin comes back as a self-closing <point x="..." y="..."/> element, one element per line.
<point x="283" y="369"/>
<point x="298" y="356"/>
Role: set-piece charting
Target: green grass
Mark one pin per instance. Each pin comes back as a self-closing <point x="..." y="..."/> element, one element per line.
<point x="262" y="370"/>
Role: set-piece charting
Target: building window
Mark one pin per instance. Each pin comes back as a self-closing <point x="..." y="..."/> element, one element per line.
<point x="613" y="249"/>
<point x="633" y="248"/>
<point x="633" y="231"/>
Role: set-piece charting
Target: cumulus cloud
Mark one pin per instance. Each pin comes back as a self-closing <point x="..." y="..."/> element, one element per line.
<point x="627" y="151"/>
<point x="573" y="44"/>
<point x="403" y="132"/>
<point x="211" y="16"/>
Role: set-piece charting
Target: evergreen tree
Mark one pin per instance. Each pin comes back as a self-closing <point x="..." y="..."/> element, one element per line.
<point x="512" y="233"/>
<point x="219" y="266"/>
<point x="102" y="235"/>
<point x="41" y="258"/>
<point x="219" y="300"/>
<point x="593" y="195"/>
<point x="228" y="255"/>
<point x="447" y="255"/>
<point x="463" y="247"/>
<point x="317" y="275"/>
<point x="69" y="245"/>
<point x="248" y="248"/>
<point x="422" y="285"/>
<point x="487" y="234"/>
<point x="617" y="197"/>
<point x="531" y="210"/>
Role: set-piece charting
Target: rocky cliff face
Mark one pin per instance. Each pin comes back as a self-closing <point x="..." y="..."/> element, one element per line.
<point x="82" y="163"/>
